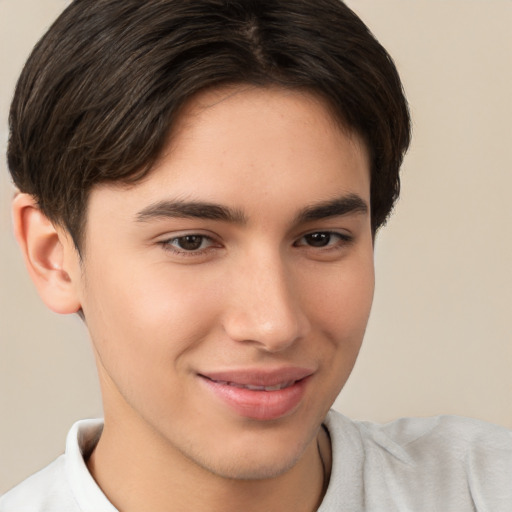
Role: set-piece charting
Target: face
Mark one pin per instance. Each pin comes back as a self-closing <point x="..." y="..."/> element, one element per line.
<point x="227" y="294"/>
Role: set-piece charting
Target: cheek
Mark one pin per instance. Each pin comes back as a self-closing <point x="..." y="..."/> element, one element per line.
<point x="144" y="326"/>
<point x="151" y="316"/>
<point x="342" y="313"/>
<point x="342" y="304"/>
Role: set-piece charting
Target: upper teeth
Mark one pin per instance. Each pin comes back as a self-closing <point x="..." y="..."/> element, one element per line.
<point x="276" y="387"/>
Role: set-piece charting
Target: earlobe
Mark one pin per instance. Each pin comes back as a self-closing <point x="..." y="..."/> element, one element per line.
<point x="50" y="255"/>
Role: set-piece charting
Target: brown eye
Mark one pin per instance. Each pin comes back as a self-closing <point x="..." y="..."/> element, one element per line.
<point x="324" y="239"/>
<point x="318" y="239"/>
<point x="189" y="242"/>
<point x="195" y="246"/>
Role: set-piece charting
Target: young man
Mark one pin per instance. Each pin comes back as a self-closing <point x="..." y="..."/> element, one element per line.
<point x="202" y="182"/>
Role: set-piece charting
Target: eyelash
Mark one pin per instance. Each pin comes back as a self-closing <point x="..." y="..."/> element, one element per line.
<point x="343" y="239"/>
<point x="171" y="244"/>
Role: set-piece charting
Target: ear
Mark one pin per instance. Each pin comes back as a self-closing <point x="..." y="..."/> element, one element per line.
<point x="50" y="256"/>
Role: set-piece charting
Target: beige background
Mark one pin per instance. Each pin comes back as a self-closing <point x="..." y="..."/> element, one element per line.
<point x="439" y="339"/>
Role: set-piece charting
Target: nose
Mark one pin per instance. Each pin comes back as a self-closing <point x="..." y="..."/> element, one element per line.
<point x="265" y="308"/>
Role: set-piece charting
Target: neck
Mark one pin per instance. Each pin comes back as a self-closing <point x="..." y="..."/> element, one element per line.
<point x="159" y="478"/>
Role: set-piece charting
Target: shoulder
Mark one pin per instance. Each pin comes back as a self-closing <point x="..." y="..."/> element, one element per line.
<point x="45" y="489"/>
<point x="462" y="462"/>
<point x="458" y="434"/>
<point x="453" y="436"/>
<point x="66" y="484"/>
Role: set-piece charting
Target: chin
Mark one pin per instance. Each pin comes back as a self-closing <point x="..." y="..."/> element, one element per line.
<point x="254" y="457"/>
<point x="243" y="468"/>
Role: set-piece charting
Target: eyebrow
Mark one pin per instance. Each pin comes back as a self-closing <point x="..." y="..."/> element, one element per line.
<point x="345" y="205"/>
<point x="191" y="210"/>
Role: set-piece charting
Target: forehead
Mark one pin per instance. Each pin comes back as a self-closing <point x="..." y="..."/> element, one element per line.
<point x="248" y="147"/>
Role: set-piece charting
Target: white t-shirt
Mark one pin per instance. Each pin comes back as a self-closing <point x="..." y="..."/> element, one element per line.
<point x="441" y="464"/>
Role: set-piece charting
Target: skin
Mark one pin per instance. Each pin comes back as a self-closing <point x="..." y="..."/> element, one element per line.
<point x="260" y="292"/>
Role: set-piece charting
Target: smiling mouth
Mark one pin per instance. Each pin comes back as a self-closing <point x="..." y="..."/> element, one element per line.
<point x="261" y="395"/>
<point x="252" y="387"/>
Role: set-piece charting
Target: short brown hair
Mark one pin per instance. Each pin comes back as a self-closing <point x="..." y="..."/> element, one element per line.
<point x="100" y="93"/>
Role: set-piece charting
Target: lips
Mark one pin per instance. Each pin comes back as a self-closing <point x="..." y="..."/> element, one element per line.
<point x="252" y="387"/>
<point x="259" y="394"/>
